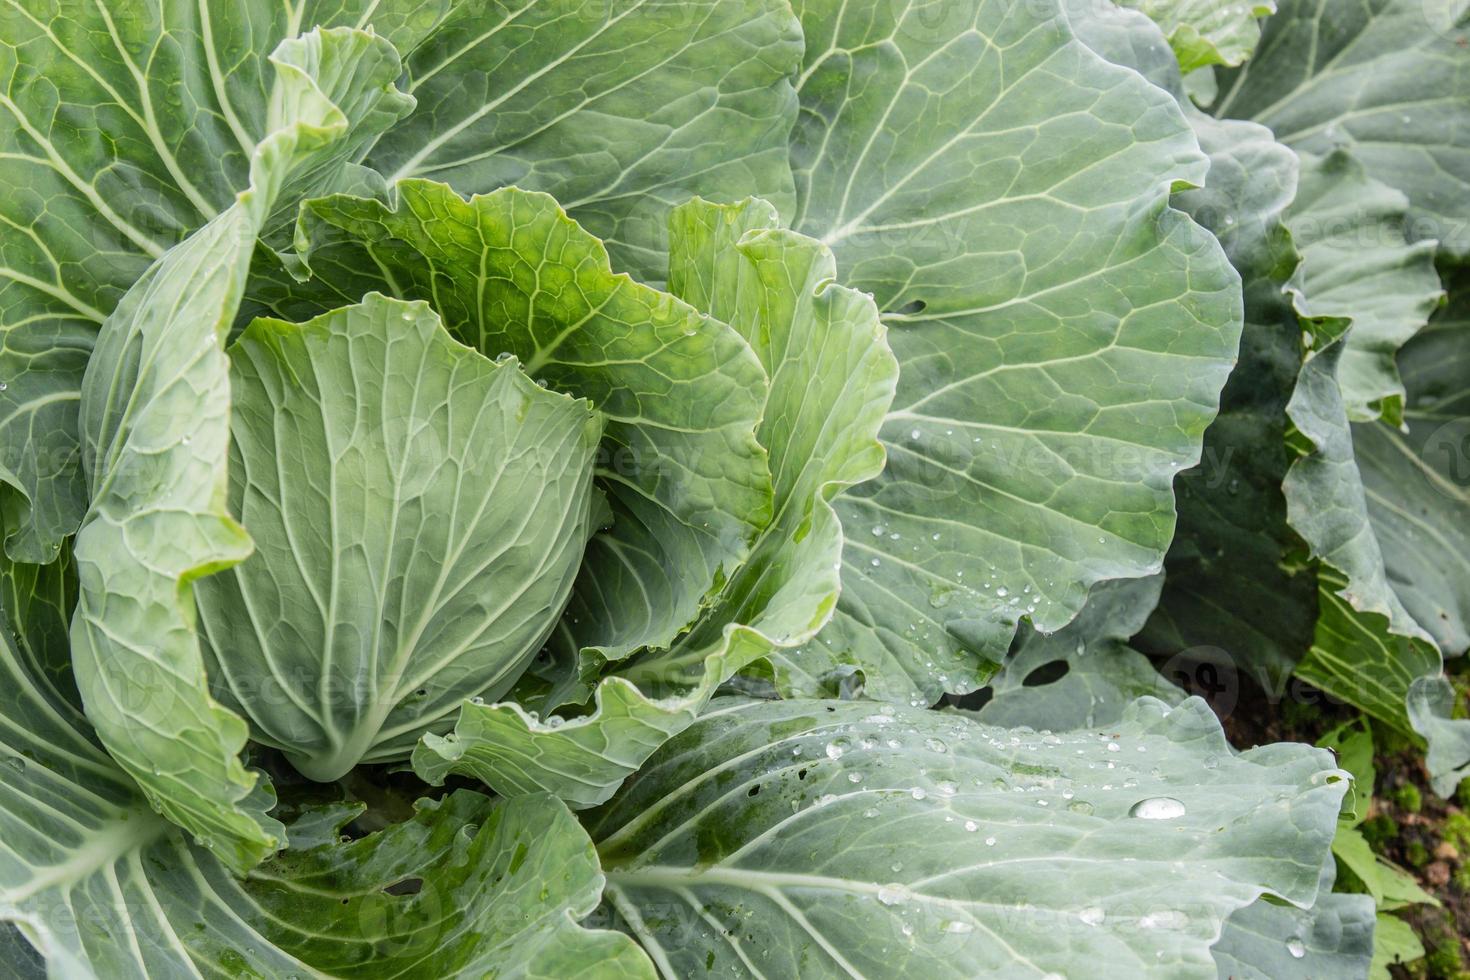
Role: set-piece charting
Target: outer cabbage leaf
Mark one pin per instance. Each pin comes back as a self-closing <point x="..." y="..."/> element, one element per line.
<point x="681" y="392"/>
<point x="832" y="379"/>
<point x="619" y="111"/>
<point x="1333" y="938"/>
<point x="1386" y="79"/>
<point x="1100" y="674"/>
<point x="1232" y="589"/>
<point x="155" y="411"/>
<point x="1207" y="32"/>
<point x="1063" y="334"/>
<point x="967" y="850"/>
<point x="126" y="126"/>
<point x="1325" y="498"/>
<point x="1367" y="649"/>
<point x="1357" y="264"/>
<point x="1431" y="710"/>
<point x="421" y="513"/>
<point x="1417" y="479"/>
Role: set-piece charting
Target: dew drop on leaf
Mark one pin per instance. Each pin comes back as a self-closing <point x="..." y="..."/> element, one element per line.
<point x="1157" y="808"/>
<point x="892" y="894"/>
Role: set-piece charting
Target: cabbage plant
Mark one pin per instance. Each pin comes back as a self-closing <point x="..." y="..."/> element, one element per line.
<point x="675" y="487"/>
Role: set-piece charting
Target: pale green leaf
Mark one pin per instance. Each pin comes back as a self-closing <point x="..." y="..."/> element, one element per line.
<point x="1207" y="32"/>
<point x="620" y="111"/>
<point x="681" y="392"/>
<point x="1394" y="943"/>
<point x="1389" y="885"/>
<point x="832" y="378"/>
<point x="421" y="513"/>
<point x="1063" y="335"/>
<point x="155" y="409"/>
<point x="966" y="850"/>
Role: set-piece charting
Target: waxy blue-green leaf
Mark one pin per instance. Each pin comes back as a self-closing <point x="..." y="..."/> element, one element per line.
<point x="1207" y="32"/>
<point x="1357" y="264"/>
<point x="1367" y="649"/>
<point x="1326" y="502"/>
<point x="1431" y="712"/>
<point x="1417" y="479"/>
<point x="1232" y="598"/>
<point x="825" y="838"/>
<point x="1267" y="941"/>
<point x="620" y="111"/>
<point x="420" y="514"/>
<point x="681" y="392"/>
<point x="1100" y="674"/>
<point x="155" y="411"/>
<point x="125" y="126"/>
<point x="1063" y="335"/>
<point x="832" y="379"/>
<point x="1388" y="80"/>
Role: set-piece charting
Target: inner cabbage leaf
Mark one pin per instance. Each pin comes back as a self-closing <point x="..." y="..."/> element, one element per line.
<point x="419" y="513"/>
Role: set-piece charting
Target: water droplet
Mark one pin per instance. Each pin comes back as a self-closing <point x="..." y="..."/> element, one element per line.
<point x="875" y="563"/>
<point x="915" y="434"/>
<point x="1296" y="948"/>
<point x="834" y="750"/>
<point x="17" y="763"/>
<point x="918" y="793"/>
<point x="894" y="894"/>
<point x="958" y="928"/>
<point x="1080" y="806"/>
<point x="990" y="842"/>
<point x="935" y="744"/>
<point x="1002" y="592"/>
<point x="1167" y="919"/>
<point x="3" y="386"/>
<point x="971" y="826"/>
<point x="1157" y="808"/>
<point x="1093" y="916"/>
<point x="1113" y="747"/>
<point x="946" y="788"/>
<point x="854" y="777"/>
